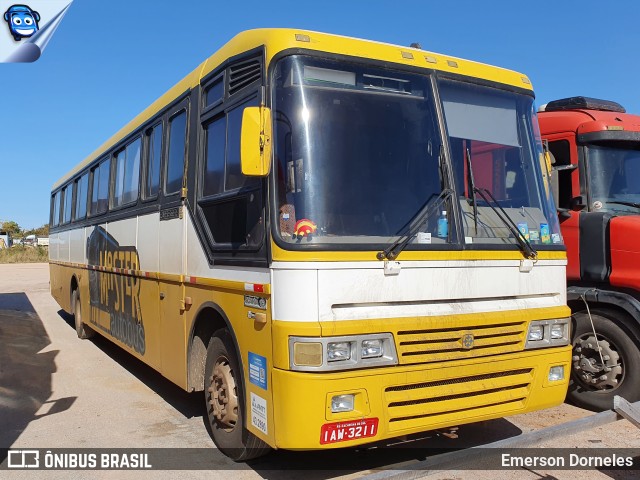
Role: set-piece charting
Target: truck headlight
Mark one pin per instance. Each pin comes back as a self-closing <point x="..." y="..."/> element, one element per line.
<point x="318" y="354"/>
<point x="548" y="333"/>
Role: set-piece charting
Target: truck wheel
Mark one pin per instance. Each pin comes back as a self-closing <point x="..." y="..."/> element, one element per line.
<point x="593" y="382"/>
<point x="82" y="329"/>
<point x="224" y="400"/>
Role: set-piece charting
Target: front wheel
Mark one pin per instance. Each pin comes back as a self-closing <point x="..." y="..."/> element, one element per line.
<point x="224" y="401"/>
<point x="605" y="365"/>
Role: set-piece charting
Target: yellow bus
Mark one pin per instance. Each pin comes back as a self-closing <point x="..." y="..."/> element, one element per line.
<point x="338" y="241"/>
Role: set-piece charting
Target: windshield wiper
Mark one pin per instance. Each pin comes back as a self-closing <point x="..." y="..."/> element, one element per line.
<point x="622" y="202"/>
<point x="413" y="225"/>
<point x="472" y="189"/>
<point x="525" y="245"/>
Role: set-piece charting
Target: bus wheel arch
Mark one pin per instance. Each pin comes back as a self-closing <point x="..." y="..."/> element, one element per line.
<point x="82" y="329"/>
<point x="208" y="320"/>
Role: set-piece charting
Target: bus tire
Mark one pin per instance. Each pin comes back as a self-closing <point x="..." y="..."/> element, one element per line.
<point x="224" y="400"/>
<point x="593" y="385"/>
<point x="82" y="329"/>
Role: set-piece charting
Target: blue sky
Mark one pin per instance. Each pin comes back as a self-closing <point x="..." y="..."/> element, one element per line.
<point x="110" y="59"/>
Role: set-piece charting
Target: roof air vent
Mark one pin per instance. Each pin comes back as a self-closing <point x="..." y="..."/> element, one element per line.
<point x="243" y="74"/>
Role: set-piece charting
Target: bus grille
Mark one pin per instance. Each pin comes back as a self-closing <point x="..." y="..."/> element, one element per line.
<point x="448" y="344"/>
<point x="456" y="399"/>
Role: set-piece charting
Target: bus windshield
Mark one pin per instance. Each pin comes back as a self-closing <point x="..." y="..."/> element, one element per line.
<point x="357" y="150"/>
<point x="495" y="148"/>
<point x="359" y="154"/>
<point x="614" y="177"/>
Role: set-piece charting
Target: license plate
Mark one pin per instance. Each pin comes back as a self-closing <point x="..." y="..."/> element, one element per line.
<point x="348" y="430"/>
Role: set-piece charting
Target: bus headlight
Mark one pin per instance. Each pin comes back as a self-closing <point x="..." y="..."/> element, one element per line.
<point x="548" y="333"/>
<point x="536" y="333"/>
<point x="317" y="354"/>
<point x="371" y="348"/>
<point x="338" y="351"/>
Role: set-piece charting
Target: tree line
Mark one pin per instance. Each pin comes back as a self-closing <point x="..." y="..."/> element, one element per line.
<point x="17" y="231"/>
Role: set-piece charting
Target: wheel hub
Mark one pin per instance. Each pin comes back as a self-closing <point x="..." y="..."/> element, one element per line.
<point x="588" y="363"/>
<point x="223" y="395"/>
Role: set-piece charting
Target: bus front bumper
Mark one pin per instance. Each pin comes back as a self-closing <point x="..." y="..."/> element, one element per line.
<point x="393" y="401"/>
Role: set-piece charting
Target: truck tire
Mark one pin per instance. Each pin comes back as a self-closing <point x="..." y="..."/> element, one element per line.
<point x="82" y="329"/>
<point x="594" y="384"/>
<point x="224" y="400"/>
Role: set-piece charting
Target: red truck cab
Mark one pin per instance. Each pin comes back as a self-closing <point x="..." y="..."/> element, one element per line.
<point x="595" y="147"/>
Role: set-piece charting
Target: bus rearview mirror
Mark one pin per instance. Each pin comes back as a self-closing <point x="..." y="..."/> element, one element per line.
<point x="255" y="141"/>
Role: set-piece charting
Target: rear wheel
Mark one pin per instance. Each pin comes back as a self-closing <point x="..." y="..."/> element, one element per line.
<point x="605" y="366"/>
<point x="82" y="329"/>
<point x="224" y="401"/>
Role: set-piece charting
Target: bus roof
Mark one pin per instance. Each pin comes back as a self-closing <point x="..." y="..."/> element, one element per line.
<point x="276" y="40"/>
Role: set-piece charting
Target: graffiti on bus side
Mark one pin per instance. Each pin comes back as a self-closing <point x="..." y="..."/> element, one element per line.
<point x="118" y="295"/>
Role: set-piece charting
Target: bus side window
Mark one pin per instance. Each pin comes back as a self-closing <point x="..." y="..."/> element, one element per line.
<point x="55" y="209"/>
<point x="153" y="157"/>
<point x="100" y="188"/>
<point x="175" y="161"/>
<point x="82" y="185"/>
<point x="127" y="174"/>
<point x="68" y="203"/>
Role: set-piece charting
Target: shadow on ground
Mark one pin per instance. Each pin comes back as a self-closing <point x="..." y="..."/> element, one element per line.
<point x="25" y="371"/>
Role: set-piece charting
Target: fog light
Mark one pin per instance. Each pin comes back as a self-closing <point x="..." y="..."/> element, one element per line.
<point x="556" y="373"/>
<point x="371" y="348"/>
<point x="557" y="331"/>
<point x="536" y="332"/>
<point x="338" y="351"/>
<point x="342" y="403"/>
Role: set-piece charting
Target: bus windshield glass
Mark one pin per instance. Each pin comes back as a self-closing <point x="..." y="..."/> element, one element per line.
<point x="497" y="160"/>
<point x="357" y="153"/>
<point x="359" y="157"/>
<point x="614" y="177"/>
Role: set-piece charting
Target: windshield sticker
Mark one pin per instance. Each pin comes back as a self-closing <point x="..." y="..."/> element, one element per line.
<point x="304" y="228"/>
<point x="423" y="237"/>
<point x="544" y="233"/>
<point x="597" y="205"/>
<point x="258" y="370"/>
<point x="534" y="235"/>
<point x="555" y="237"/>
<point x="524" y="230"/>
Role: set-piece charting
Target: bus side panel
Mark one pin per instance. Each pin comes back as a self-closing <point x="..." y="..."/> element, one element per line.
<point x="60" y="280"/>
<point x="172" y="320"/>
<point x="123" y="302"/>
<point x="172" y="337"/>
